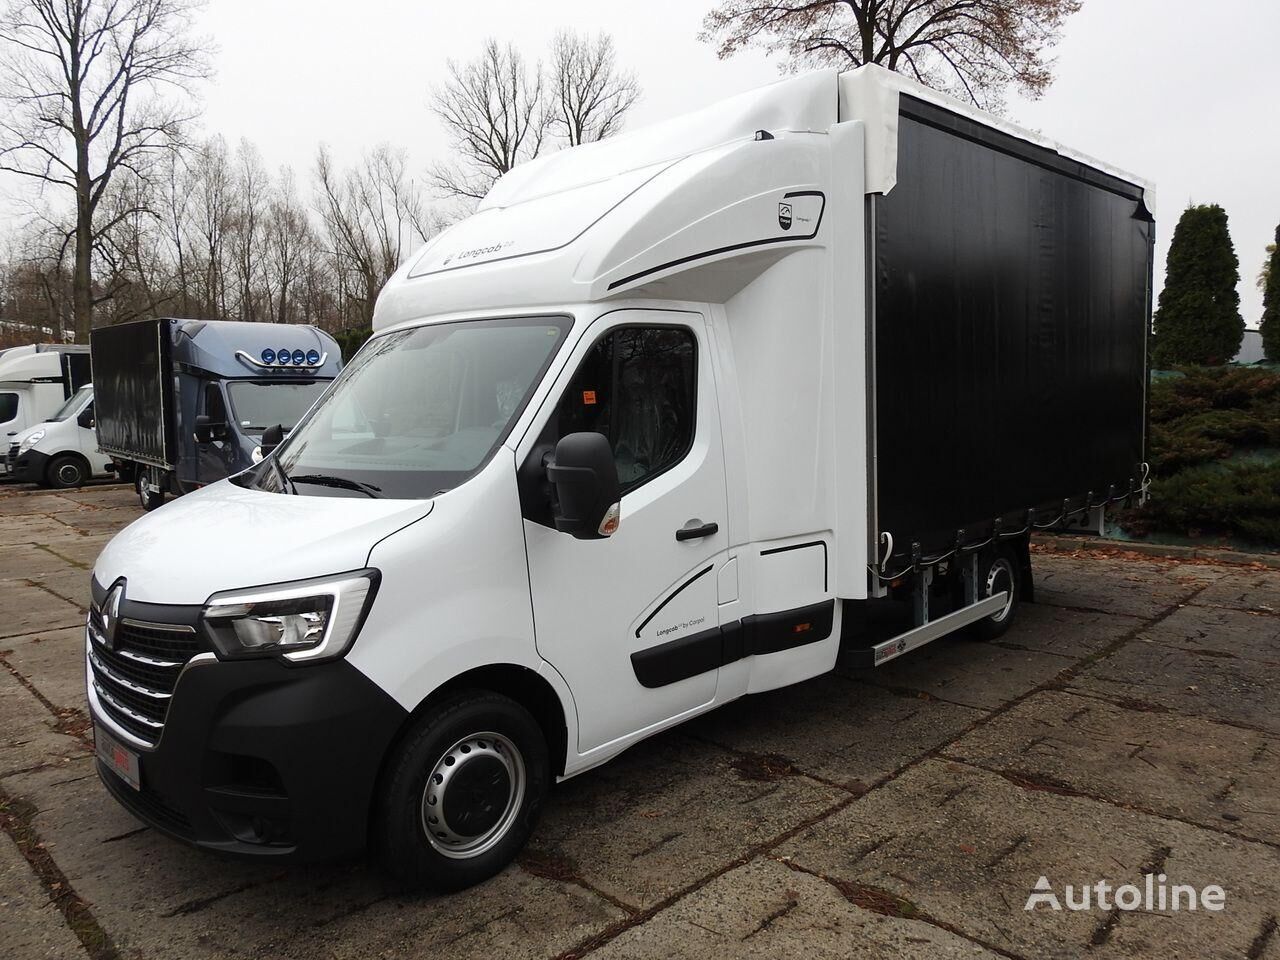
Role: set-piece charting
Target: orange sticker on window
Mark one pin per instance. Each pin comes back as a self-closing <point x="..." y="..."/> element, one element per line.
<point x="588" y="397"/>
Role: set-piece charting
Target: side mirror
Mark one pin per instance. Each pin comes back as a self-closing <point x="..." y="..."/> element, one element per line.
<point x="207" y="430"/>
<point x="586" y="483"/>
<point x="85" y="419"/>
<point x="271" y="438"/>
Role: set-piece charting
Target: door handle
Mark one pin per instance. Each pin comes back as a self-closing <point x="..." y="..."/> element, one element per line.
<point x="695" y="529"/>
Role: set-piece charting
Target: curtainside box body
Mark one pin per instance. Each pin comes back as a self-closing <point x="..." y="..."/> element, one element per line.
<point x="1010" y="299"/>
<point x="133" y="391"/>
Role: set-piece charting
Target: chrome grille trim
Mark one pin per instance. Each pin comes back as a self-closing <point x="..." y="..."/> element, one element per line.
<point x="102" y="668"/>
<point x="163" y="627"/>
<point x="117" y="705"/>
<point x="146" y="661"/>
<point x="131" y="681"/>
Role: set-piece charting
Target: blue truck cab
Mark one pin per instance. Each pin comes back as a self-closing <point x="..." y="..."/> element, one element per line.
<point x="185" y="403"/>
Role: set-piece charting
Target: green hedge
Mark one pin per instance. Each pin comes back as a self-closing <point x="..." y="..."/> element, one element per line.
<point x="1214" y="449"/>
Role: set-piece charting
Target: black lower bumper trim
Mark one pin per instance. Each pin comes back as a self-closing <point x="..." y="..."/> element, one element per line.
<point x="259" y="759"/>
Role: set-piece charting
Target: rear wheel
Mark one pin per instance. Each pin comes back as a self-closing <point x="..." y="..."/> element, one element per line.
<point x="461" y="793"/>
<point x="998" y="571"/>
<point x="66" y="471"/>
<point x="143" y="480"/>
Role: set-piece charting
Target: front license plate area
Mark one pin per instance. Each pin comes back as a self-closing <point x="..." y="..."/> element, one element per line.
<point x="118" y="758"/>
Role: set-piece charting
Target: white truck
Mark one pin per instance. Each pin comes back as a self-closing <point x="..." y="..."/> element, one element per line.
<point x="674" y="418"/>
<point x="35" y="381"/>
<point x="63" y="451"/>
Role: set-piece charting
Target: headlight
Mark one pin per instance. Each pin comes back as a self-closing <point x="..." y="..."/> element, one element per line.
<point x="30" y="441"/>
<point x="305" y="621"/>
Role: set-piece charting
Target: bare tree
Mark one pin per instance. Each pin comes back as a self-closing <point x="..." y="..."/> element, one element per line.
<point x="492" y="108"/>
<point x="372" y="215"/>
<point x="174" y="212"/>
<point x="134" y="276"/>
<point x="84" y="84"/>
<point x="39" y="292"/>
<point x="288" y="239"/>
<point x="211" y="222"/>
<point x="252" y="193"/>
<point x="589" y="95"/>
<point x="974" y="48"/>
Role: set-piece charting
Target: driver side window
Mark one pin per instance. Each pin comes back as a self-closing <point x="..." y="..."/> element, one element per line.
<point x="638" y="387"/>
<point x="8" y="407"/>
<point x="214" y="406"/>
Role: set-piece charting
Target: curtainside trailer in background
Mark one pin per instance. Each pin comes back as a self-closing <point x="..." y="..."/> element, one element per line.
<point x="674" y="418"/>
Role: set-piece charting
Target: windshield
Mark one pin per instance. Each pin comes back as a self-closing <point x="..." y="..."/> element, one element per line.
<point x="256" y="406"/>
<point x="69" y="408"/>
<point x="419" y="411"/>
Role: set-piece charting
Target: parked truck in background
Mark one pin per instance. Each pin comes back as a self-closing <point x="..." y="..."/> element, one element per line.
<point x="35" y="381"/>
<point x="63" y="451"/>
<point x="181" y="404"/>
<point x="671" y="420"/>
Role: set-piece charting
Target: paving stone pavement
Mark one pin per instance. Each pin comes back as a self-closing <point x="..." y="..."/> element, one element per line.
<point x="1127" y="724"/>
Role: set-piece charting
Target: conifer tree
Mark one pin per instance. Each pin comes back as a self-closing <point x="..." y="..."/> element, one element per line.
<point x="1198" y="321"/>
<point x="1270" y="283"/>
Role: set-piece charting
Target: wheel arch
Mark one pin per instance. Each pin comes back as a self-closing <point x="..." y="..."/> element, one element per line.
<point x="525" y="686"/>
<point x="75" y="455"/>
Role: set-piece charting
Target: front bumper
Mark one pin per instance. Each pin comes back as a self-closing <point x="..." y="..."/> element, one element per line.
<point x="29" y="467"/>
<point x="260" y="759"/>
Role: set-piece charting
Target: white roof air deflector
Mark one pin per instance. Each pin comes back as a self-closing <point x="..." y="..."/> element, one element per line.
<point x="532" y="226"/>
<point x="803" y="104"/>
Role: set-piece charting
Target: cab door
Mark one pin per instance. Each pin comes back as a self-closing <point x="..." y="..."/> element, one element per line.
<point x="631" y="621"/>
<point x="214" y="460"/>
<point x="86" y="438"/>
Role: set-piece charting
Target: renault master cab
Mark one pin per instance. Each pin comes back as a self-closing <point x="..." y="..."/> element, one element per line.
<point x="650" y="432"/>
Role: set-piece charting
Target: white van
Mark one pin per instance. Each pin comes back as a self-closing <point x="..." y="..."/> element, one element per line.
<point x="63" y="451"/>
<point x="35" y="381"/>
<point x="668" y="421"/>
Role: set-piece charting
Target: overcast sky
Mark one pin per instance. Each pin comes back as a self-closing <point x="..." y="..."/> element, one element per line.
<point x="1158" y="87"/>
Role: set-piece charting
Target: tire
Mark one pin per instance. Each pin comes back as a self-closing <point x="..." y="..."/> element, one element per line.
<point x="146" y="497"/>
<point x="482" y="748"/>
<point x="998" y="569"/>
<point x="65" y="472"/>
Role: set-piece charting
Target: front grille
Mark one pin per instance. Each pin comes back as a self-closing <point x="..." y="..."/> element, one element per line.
<point x="11" y="457"/>
<point x="134" y="677"/>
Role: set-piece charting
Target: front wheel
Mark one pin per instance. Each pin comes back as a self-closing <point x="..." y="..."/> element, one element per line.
<point x="65" y="472"/>
<point x="461" y="793"/>
<point x="998" y="572"/>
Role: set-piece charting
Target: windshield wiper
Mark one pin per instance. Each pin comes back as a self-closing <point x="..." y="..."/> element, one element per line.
<point x="342" y="483"/>
<point x="285" y="485"/>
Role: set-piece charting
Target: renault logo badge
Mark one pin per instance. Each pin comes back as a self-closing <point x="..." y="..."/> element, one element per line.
<point x="111" y="615"/>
